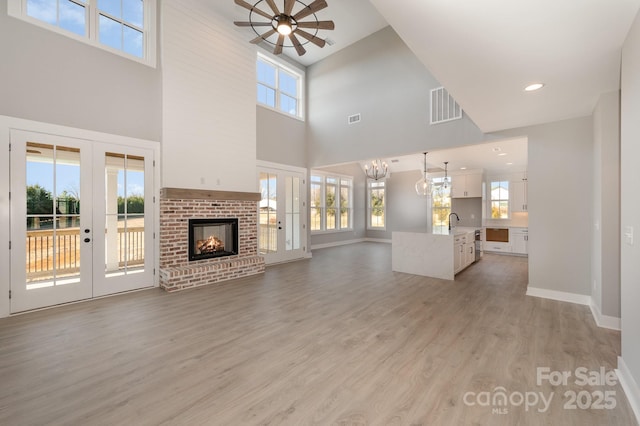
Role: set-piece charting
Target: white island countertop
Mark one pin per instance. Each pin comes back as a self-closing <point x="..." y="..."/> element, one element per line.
<point x="421" y="252"/>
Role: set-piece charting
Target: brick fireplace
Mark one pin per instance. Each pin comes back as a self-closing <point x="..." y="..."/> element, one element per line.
<point x="177" y="208"/>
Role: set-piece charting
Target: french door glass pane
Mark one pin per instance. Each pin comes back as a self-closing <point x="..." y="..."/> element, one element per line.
<point x="124" y="233"/>
<point x="268" y="238"/>
<point x="53" y="215"/>
<point x="292" y="213"/>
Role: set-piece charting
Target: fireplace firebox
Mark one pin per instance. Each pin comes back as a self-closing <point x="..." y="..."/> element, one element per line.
<point x="209" y="238"/>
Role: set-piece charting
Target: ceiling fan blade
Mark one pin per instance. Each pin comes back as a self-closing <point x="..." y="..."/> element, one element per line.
<point x="263" y="37"/>
<point x="279" y="45"/>
<point x="313" y="39"/>
<point x="321" y="25"/>
<point x="253" y="9"/>
<point x="312" y="8"/>
<point x="252" y="24"/>
<point x="288" y="6"/>
<point x="296" y="43"/>
<point x="272" y="5"/>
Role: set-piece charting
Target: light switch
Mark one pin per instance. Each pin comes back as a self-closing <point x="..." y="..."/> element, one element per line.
<point x="628" y="235"/>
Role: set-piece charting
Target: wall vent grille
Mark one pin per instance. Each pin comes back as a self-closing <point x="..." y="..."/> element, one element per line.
<point x="353" y="119"/>
<point x="443" y="107"/>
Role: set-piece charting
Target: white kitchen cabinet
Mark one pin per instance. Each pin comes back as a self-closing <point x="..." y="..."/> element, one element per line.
<point x="519" y="238"/>
<point x="519" y="196"/>
<point x="466" y="186"/>
<point x="458" y="253"/>
<point x="464" y="251"/>
<point x="470" y="252"/>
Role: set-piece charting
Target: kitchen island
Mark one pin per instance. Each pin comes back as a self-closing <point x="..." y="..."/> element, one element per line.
<point x="438" y="255"/>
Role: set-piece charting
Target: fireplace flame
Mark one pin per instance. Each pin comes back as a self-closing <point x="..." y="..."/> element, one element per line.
<point x="210" y="245"/>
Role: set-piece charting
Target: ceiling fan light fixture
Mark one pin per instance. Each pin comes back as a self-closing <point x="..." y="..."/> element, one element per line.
<point x="284" y="25"/>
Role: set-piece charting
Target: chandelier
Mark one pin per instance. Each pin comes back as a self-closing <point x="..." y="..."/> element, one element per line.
<point x="423" y="186"/>
<point x="376" y="170"/>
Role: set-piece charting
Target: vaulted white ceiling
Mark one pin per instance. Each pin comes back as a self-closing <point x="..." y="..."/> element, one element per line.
<point x="486" y="51"/>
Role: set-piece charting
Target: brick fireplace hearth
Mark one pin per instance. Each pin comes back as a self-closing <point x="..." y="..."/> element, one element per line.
<point x="177" y="206"/>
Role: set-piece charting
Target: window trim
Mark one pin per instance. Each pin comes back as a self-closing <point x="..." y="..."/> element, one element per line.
<point x="300" y="74"/>
<point x="369" y="207"/>
<point x="18" y="9"/>
<point x="323" y="196"/>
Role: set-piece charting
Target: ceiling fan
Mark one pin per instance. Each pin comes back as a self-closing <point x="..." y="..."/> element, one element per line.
<point x="286" y="23"/>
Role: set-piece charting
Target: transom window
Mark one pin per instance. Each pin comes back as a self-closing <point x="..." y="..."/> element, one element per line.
<point x="500" y="199"/>
<point x="124" y="27"/>
<point x="331" y="202"/>
<point x="279" y="87"/>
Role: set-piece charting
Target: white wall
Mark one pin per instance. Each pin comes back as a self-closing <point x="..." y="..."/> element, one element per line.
<point x="51" y="78"/>
<point x="630" y="207"/>
<point x="209" y="100"/>
<point x="281" y="139"/>
<point x="560" y="155"/>
<point x="382" y="79"/>
<point x="605" y="257"/>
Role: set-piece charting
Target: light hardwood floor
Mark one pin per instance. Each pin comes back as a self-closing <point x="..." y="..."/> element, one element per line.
<point x="336" y="340"/>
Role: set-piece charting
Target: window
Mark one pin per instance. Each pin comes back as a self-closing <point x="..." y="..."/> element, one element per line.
<point x="125" y="27"/>
<point x="499" y="200"/>
<point x="331" y="202"/>
<point x="279" y="87"/>
<point x="440" y="208"/>
<point x="376" y="205"/>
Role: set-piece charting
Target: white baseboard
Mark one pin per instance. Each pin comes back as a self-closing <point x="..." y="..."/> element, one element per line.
<point x="347" y="242"/>
<point x="561" y="296"/>
<point x="377" y="240"/>
<point x="630" y="387"/>
<point x="337" y="244"/>
<point x="604" y="321"/>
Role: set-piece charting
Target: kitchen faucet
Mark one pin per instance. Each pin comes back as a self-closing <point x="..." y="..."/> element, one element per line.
<point x="452" y="214"/>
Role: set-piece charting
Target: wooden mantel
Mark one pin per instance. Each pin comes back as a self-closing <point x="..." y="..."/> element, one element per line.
<point x="204" y="194"/>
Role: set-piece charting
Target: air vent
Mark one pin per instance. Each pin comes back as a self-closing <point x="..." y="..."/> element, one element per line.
<point x="443" y="107"/>
<point x="353" y="119"/>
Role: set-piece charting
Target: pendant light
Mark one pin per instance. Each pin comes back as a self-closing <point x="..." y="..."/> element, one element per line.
<point x="445" y="182"/>
<point x="423" y="186"/>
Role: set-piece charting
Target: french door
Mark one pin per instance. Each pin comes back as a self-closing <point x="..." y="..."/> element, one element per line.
<point x="282" y="215"/>
<point x="81" y="219"/>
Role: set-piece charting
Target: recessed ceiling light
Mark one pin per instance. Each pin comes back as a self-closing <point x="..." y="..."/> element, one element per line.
<point x="502" y="154"/>
<point x="463" y="168"/>
<point x="509" y="164"/>
<point x="534" y="86"/>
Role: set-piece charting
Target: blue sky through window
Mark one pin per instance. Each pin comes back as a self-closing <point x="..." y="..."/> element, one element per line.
<point x="67" y="179"/>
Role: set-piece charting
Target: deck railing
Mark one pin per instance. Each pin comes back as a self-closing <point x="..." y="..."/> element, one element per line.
<point x="60" y="250"/>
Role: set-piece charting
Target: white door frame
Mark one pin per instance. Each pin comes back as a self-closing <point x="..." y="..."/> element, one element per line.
<point x="266" y="167"/>
<point x="10" y="123"/>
